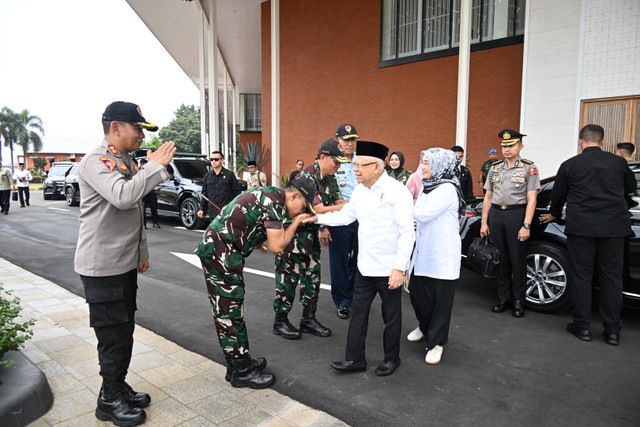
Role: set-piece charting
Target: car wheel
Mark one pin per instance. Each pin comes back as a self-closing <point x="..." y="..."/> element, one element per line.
<point x="189" y="214"/>
<point x="69" y="196"/>
<point x="547" y="267"/>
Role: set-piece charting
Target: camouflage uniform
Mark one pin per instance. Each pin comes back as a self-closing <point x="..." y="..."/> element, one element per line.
<point x="300" y="261"/>
<point x="230" y="238"/>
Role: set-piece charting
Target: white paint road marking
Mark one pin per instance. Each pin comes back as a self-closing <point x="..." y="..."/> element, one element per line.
<point x="184" y="228"/>
<point x="59" y="209"/>
<point x="195" y="261"/>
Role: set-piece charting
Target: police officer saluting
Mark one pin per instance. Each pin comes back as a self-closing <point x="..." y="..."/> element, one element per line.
<point x="507" y="211"/>
<point x="112" y="249"/>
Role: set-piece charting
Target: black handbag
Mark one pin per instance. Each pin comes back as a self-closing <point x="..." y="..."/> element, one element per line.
<point x="483" y="257"/>
<point x="14" y="196"/>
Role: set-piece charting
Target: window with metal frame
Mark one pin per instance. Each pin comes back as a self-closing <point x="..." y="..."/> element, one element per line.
<point x="416" y="30"/>
<point x="251" y="112"/>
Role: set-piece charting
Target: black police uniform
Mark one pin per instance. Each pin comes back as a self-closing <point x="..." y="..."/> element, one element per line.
<point x="509" y="186"/>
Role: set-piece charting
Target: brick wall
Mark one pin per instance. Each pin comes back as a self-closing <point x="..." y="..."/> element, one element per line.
<point x="329" y="75"/>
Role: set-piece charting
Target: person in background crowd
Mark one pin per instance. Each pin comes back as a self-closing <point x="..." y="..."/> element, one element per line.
<point x="343" y="245"/>
<point x="397" y="172"/>
<point x="255" y="178"/>
<point x="625" y="149"/>
<point x="299" y="167"/>
<point x="435" y="266"/>
<point x="252" y="218"/>
<point x="414" y="183"/>
<point x="383" y="208"/>
<point x="507" y="211"/>
<point x="220" y="186"/>
<point x="594" y="185"/>
<point x="112" y="250"/>
<point x="493" y="156"/>
<point x="300" y="261"/>
<point x="22" y="177"/>
<point x="466" y="181"/>
<point x="150" y="201"/>
<point x="5" y="189"/>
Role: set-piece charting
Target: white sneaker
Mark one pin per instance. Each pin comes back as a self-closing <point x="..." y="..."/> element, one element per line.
<point x="434" y="355"/>
<point x="415" y="335"/>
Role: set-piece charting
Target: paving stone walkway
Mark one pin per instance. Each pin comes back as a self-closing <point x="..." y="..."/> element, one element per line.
<point x="186" y="388"/>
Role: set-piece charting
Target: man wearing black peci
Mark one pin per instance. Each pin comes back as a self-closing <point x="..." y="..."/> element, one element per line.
<point x="594" y="185"/>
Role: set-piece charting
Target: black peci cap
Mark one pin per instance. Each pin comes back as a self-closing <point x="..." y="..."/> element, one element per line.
<point x="129" y="112"/>
<point x="510" y="137"/>
<point x="346" y="131"/>
<point x="372" y="149"/>
<point x="331" y="147"/>
<point x="307" y="187"/>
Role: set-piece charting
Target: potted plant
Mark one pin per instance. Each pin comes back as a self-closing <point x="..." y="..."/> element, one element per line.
<point x="12" y="334"/>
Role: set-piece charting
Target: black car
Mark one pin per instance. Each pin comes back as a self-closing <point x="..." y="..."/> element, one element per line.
<point x="547" y="260"/>
<point x="53" y="185"/>
<point x="71" y="187"/>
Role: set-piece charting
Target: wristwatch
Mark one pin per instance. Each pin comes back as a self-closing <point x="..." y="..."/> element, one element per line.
<point x="526" y="225"/>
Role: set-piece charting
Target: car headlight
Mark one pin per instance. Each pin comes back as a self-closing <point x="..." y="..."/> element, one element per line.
<point x="47" y="181"/>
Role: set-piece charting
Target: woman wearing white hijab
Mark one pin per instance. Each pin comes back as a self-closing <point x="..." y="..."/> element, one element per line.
<point x="436" y="259"/>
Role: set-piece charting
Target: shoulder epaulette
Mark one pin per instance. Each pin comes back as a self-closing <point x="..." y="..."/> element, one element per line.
<point x="496" y="162"/>
<point x="529" y="162"/>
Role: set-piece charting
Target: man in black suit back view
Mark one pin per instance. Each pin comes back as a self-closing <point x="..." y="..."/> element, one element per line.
<point x="594" y="185"/>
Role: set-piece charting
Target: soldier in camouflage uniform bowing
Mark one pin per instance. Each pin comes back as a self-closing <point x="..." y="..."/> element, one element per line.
<point x="300" y="261"/>
<point x="246" y="223"/>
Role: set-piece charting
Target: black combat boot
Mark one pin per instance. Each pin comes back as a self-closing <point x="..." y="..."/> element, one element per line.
<point x="258" y="363"/>
<point x="284" y="328"/>
<point x="310" y="324"/>
<point x="113" y="405"/>
<point x="245" y="375"/>
<point x="137" y="399"/>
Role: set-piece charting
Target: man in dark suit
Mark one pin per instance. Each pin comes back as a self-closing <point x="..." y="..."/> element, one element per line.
<point x="466" y="181"/>
<point x="594" y="184"/>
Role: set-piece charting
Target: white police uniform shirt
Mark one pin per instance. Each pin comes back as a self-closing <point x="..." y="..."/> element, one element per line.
<point x="346" y="178"/>
<point x="385" y="216"/>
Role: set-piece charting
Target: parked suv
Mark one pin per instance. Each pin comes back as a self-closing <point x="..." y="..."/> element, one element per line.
<point x="71" y="187"/>
<point x="547" y="259"/>
<point x="53" y="185"/>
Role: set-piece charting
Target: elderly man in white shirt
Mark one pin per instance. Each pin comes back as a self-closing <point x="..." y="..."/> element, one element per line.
<point x="383" y="208"/>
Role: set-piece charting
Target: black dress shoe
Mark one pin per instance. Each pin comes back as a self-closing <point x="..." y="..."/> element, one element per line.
<point x="156" y="225"/>
<point x="581" y="334"/>
<point x="500" y="307"/>
<point x="612" y="338"/>
<point x="387" y="368"/>
<point x="349" y="365"/>
<point x="344" y="312"/>
<point x="518" y="309"/>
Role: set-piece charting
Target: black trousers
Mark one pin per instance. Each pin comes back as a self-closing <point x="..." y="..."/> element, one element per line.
<point x="365" y="290"/>
<point x="432" y="301"/>
<point x="151" y="201"/>
<point x="512" y="270"/>
<point x="23" y="192"/>
<point x="606" y="254"/>
<point x="5" y="200"/>
<point x="112" y="306"/>
<point x="343" y="256"/>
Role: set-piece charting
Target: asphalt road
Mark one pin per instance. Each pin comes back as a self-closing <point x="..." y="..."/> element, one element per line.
<point x="496" y="369"/>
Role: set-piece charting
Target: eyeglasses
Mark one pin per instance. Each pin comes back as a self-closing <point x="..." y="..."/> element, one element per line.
<point x="214" y="159"/>
<point x="358" y="165"/>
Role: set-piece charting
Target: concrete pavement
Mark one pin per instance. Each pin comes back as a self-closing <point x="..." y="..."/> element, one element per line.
<point x="186" y="388"/>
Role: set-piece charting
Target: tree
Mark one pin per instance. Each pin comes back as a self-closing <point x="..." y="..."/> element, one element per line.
<point x="28" y="132"/>
<point x="154" y="144"/>
<point x="184" y="129"/>
<point x="9" y="125"/>
<point x="40" y="163"/>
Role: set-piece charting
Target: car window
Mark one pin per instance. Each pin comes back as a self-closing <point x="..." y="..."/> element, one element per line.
<point x="58" y="171"/>
<point x="192" y="169"/>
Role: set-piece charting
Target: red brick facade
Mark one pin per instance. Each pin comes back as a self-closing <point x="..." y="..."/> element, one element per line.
<point x="329" y="75"/>
<point x="56" y="157"/>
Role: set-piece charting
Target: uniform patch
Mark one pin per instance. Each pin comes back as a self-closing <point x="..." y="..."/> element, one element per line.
<point x="136" y="168"/>
<point x="123" y="166"/>
<point x="113" y="149"/>
<point x="109" y="163"/>
<point x="533" y="171"/>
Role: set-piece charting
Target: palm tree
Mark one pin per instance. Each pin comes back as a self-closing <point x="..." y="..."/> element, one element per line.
<point x="9" y="123"/>
<point x="28" y="132"/>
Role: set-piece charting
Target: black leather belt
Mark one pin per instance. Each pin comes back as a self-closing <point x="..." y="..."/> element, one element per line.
<point x="508" y="207"/>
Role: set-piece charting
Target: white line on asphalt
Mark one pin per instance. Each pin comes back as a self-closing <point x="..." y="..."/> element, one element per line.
<point x="184" y="228"/>
<point x="59" y="209"/>
<point x="195" y="261"/>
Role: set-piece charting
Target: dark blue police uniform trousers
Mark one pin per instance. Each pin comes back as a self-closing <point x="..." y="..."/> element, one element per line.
<point x="366" y="288"/>
<point x="343" y="256"/>
<point x="606" y="256"/>
<point x="512" y="270"/>
<point x="112" y="306"/>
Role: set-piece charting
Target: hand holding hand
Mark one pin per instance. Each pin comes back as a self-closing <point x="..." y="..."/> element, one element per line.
<point x="163" y="154"/>
<point x="309" y="218"/>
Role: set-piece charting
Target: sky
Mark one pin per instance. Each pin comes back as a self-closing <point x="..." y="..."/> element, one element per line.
<point x="66" y="60"/>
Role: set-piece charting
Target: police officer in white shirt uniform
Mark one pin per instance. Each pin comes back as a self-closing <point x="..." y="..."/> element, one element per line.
<point x="383" y="208"/>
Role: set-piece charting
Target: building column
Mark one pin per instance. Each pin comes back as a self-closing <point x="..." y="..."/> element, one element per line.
<point x="463" y="75"/>
<point x="275" y="88"/>
<point x="204" y="141"/>
<point x="212" y="63"/>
